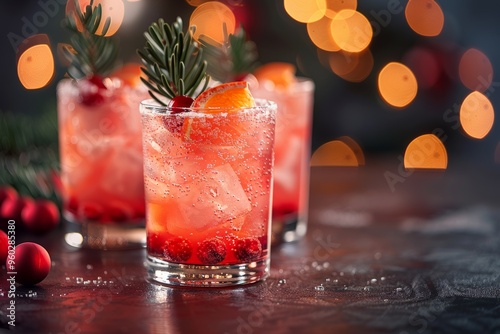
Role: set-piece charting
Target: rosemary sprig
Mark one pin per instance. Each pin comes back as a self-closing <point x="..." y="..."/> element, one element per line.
<point x="173" y="62"/>
<point x="236" y="56"/>
<point x="89" y="53"/>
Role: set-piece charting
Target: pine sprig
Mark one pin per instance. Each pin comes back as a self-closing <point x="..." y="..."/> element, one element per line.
<point x="236" y="56"/>
<point x="173" y="62"/>
<point x="29" y="159"/>
<point x="89" y="53"/>
<point x="21" y="133"/>
<point x="30" y="178"/>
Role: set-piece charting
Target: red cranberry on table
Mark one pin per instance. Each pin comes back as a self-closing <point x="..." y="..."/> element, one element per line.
<point x="7" y="192"/>
<point x="12" y="207"/>
<point x="32" y="263"/>
<point x="4" y="246"/>
<point x="40" y="216"/>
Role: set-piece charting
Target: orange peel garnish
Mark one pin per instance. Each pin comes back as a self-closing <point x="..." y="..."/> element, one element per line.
<point x="227" y="95"/>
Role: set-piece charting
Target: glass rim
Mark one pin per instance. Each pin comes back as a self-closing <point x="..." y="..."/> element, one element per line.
<point x="151" y="106"/>
<point x="301" y="84"/>
<point x="304" y="81"/>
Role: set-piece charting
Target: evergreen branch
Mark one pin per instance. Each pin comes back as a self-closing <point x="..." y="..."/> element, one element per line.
<point x="172" y="61"/>
<point x="94" y="54"/>
<point x="235" y="56"/>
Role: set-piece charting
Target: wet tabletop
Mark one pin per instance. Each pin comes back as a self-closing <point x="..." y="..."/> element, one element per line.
<point x="414" y="254"/>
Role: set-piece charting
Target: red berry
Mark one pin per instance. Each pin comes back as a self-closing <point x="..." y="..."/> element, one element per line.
<point x="12" y="207"/>
<point x="179" y="103"/>
<point x="4" y="246"/>
<point x="40" y="216"/>
<point x="31" y="264"/>
<point x="7" y="192"/>
<point x="98" y="81"/>
<point x="247" y="249"/>
<point x="90" y="211"/>
<point x="177" y="250"/>
<point x="118" y="212"/>
<point x="92" y="90"/>
<point x="155" y="244"/>
<point x="284" y="210"/>
<point x="72" y="205"/>
<point x="211" y="251"/>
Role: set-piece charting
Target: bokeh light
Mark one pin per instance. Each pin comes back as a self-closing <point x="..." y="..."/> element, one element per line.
<point x="351" y="30"/>
<point x="397" y="84"/>
<point x="354" y="146"/>
<point x="352" y="67"/>
<point x="320" y="34"/>
<point x="305" y="11"/>
<point x="340" y="152"/>
<point x="342" y="62"/>
<point x="114" y="9"/>
<point x="425" y="17"/>
<point x="426" y="152"/>
<point x="335" y="6"/>
<point x="425" y="64"/>
<point x="210" y="18"/>
<point x="133" y="11"/>
<point x="476" y="115"/>
<point x="475" y="70"/>
<point x="35" y="62"/>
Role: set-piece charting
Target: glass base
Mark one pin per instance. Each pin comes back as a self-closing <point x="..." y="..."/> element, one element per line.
<point x="97" y="235"/>
<point x="168" y="273"/>
<point x="288" y="228"/>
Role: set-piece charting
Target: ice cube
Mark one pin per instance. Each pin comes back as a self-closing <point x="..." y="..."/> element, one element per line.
<point x="123" y="173"/>
<point x="211" y="197"/>
<point x="287" y="165"/>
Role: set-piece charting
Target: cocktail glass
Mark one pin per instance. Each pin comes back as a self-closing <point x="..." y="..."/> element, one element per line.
<point x="101" y="164"/>
<point x="292" y="155"/>
<point x="208" y="181"/>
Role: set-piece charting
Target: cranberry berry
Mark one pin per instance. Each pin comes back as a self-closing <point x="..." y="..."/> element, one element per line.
<point x="92" y="90"/>
<point x="32" y="263"/>
<point x="155" y="244"/>
<point x="7" y="192"/>
<point x="211" y="251"/>
<point x="4" y="246"/>
<point x="40" y="216"/>
<point x="179" y="103"/>
<point x="177" y="250"/>
<point x="247" y="249"/>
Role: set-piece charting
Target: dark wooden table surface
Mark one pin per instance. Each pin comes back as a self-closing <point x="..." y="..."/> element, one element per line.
<point x="416" y="255"/>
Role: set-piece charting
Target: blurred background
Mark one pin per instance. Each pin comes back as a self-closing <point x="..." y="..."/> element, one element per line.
<point x="449" y="48"/>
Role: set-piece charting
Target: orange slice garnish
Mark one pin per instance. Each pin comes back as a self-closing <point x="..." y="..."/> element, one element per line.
<point x="227" y="98"/>
<point x="130" y="74"/>
<point x="281" y="75"/>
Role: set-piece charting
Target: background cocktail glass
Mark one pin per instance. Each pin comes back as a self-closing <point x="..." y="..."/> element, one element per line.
<point x="208" y="181"/>
<point x="292" y="155"/>
<point x="101" y="164"/>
